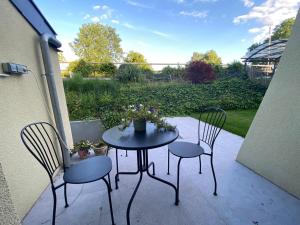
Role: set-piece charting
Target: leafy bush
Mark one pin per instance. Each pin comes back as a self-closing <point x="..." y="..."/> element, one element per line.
<point x="81" y="67"/>
<point x="236" y="69"/>
<point x="110" y="99"/>
<point x="220" y="71"/>
<point x="173" y="73"/>
<point x="129" y="73"/>
<point x="105" y="69"/>
<point x="199" y="72"/>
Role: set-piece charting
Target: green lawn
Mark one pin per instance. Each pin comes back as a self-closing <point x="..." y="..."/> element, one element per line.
<point x="238" y="121"/>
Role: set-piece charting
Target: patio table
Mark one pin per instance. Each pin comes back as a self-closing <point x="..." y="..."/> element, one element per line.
<point x="140" y="142"/>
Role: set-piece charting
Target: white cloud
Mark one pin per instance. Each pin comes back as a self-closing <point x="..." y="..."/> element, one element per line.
<point x="115" y="21"/>
<point x="95" y="19"/>
<point x="96" y="7"/>
<point x="248" y="3"/>
<point x="196" y="14"/>
<point x="129" y="26"/>
<point x="161" y="34"/>
<point x="86" y="16"/>
<point x="195" y="1"/>
<point x="269" y="13"/>
<point x="137" y="4"/>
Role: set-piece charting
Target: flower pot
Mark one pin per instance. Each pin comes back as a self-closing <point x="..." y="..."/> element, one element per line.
<point x="101" y="150"/>
<point x="139" y="125"/>
<point x="83" y="153"/>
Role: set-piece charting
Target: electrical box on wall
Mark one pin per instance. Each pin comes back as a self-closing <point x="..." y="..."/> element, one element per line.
<point x="14" y="69"/>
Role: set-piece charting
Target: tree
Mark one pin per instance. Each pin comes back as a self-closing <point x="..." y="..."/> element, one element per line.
<point x="283" y="30"/>
<point x="210" y="57"/>
<point x="197" y="56"/>
<point x="136" y="57"/>
<point x="61" y="57"/>
<point x="97" y="43"/>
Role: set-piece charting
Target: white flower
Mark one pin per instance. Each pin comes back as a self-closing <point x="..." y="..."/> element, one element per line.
<point x="133" y="110"/>
<point x="123" y="120"/>
<point x="149" y="112"/>
<point x="141" y="105"/>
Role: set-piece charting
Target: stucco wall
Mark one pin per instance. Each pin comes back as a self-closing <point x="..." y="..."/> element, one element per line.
<point x="21" y="102"/>
<point x="272" y="145"/>
<point x="8" y="215"/>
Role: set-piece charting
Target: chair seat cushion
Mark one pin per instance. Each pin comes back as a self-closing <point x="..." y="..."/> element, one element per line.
<point x="185" y="149"/>
<point x="88" y="170"/>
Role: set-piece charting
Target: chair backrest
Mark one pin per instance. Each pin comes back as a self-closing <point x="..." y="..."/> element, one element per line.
<point x="211" y="122"/>
<point x="42" y="141"/>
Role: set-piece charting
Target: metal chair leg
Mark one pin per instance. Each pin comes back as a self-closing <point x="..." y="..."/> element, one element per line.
<point x="200" y="170"/>
<point x="168" y="163"/>
<point x="54" y="206"/>
<point x="109" y="182"/>
<point x="214" y="175"/>
<point x="65" y="194"/>
<point x="126" y="154"/>
<point x="110" y="203"/>
<point x="178" y="174"/>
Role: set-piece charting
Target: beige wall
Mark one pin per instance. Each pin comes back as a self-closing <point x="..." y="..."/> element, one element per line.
<point x="7" y="210"/>
<point x="21" y="102"/>
<point x="272" y="145"/>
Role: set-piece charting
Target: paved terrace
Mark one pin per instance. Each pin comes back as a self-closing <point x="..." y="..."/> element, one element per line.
<point x="243" y="196"/>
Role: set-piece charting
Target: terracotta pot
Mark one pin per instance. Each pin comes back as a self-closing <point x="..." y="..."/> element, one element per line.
<point x="101" y="150"/>
<point x="83" y="153"/>
<point x="139" y="125"/>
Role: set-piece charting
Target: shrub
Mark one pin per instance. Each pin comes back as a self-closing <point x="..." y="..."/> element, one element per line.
<point x="173" y="99"/>
<point x="236" y="69"/>
<point x="105" y="69"/>
<point x="81" y="67"/>
<point x="220" y="71"/>
<point x="173" y="73"/>
<point x="199" y="72"/>
<point x="129" y="73"/>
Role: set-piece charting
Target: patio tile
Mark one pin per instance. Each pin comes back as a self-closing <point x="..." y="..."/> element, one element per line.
<point x="243" y="196"/>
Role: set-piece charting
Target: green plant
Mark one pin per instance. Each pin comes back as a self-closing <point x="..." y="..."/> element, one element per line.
<point x="99" y="144"/>
<point x="236" y="69"/>
<point x="81" y="67"/>
<point x="199" y="72"/>
<point x="141" y="112"/>
<point x="129" y="73"/>
<point x="83" y="145"/>
<point x="173" y="73"/>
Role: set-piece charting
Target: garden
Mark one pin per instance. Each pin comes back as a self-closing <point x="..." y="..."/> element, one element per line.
<point x="190" y="90"/>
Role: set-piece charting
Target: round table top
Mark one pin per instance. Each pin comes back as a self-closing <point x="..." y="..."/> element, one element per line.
<point x="128" y="139"/>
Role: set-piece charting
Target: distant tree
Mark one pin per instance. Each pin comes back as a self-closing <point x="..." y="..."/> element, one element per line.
<point x="197" y="56"/>
<point x="199" y="72"/>
<point x="97" y="43"/>
<point x="136" y="57"/>
<point x="210" y="57"/>
<point x="283" y="30"/>
<point x="61" y="57"/>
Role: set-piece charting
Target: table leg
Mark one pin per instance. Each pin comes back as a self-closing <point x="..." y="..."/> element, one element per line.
<point x="140" y="170"/>
<point x="161" y="180"/>
<point x="123" y="173"/>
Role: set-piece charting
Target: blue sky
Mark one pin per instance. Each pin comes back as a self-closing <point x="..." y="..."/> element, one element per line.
<point x="169" y="31"/>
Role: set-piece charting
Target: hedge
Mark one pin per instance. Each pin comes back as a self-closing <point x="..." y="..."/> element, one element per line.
<point x="107" y="99"/>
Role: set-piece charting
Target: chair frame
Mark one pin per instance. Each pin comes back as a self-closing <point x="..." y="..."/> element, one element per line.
<point x="50" y="160"/>
<point x="213" y="124"/>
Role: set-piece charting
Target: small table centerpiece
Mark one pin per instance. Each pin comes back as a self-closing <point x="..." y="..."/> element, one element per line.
<point x="140" y="114"/>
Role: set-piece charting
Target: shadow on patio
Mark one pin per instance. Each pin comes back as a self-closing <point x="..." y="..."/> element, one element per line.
<point x="243" y="196"/>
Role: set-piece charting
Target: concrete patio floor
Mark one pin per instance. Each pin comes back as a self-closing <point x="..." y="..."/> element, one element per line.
<point x="243" y="196"/>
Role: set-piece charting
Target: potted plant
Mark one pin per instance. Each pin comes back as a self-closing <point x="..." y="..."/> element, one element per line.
<point x="100" y="148"/>
<point x="83" y="148"/>
<point x="140" y="114"/>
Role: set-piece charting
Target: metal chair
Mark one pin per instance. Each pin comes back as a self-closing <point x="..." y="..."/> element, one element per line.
<point x="213" y="121"/>
<point x="42" y="140"/>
